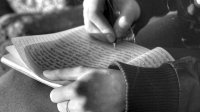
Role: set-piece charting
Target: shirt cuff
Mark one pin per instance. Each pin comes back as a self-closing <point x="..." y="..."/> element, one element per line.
<point x="150" y="89"/>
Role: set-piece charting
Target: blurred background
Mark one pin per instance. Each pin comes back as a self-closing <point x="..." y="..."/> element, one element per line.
<point x="34" y="17"/>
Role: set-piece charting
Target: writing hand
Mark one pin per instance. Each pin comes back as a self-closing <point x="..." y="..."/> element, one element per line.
<point x="96" y="23"/>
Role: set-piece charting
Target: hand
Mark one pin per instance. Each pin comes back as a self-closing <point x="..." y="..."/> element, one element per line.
<point x="96" y="23"/>
<point x="94" y="90"/>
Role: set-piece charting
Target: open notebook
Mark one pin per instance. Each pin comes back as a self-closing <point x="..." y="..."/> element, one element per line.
<point x="31" y="55"/>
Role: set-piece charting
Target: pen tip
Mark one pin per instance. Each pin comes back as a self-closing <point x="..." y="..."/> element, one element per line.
<point x="114" y="43"/>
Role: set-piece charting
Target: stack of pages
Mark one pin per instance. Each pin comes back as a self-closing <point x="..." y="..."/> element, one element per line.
<point x="31" y="55"/>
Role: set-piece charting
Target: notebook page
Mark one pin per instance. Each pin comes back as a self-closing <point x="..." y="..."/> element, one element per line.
<point x="72" y="48"/>
<point x="12" y="50"/>
<point x="153" y="58"/>
<point x="16" y="64"/>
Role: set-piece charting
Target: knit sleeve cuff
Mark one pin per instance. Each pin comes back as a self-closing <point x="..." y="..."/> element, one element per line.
<point x="150" y="89"/>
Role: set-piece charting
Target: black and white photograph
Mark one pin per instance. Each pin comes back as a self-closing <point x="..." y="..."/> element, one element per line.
<point x="99" y="55"/>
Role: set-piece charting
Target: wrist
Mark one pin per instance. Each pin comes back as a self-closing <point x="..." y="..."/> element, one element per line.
<point x="119" y="83"/>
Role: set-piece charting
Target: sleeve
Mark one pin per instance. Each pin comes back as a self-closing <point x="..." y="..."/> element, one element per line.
<point x="188" y="70"/>
<point x="150" y="89"/>
<point x="150" y="8"/>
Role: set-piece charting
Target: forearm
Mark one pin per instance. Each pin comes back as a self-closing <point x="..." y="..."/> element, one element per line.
<point x="150" y="89"/>
<point x="173" y="87"/>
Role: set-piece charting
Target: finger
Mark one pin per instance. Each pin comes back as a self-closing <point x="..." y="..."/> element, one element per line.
<point x="67" y="73"/>
<point x="89" y="26"/>
<point x="102" y="24"/>
<point x="128" y="15"/>
<point x="60" y="74"/>
<point x="63" y="74"/>
<point x="101" y="32"/>
<point x="62" y="107"/>
<point x="63" y="94"/>
<point x="122" y="25"/>
<point x="95" y="32"/>
<point x="77" y="105"/>
<point x="95" y="15"/>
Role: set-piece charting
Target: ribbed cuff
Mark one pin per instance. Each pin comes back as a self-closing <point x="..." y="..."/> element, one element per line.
<point x="150" y="89"/>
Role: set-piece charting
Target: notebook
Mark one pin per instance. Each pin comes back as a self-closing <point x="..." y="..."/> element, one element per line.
<point x="31" y="55"/>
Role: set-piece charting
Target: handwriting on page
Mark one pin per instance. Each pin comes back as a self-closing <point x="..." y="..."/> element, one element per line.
<point x="153" y="58"/>
<point x="73" y="48"/>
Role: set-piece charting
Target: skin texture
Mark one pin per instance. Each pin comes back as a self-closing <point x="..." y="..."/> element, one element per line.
<point x="92" y="90"/>
<point x="97" y="24"/>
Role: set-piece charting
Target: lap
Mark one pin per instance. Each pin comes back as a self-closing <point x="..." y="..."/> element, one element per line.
<point x="178" y="53"/>
<point x="19" y="93"/>
<point x="164" y="32"/>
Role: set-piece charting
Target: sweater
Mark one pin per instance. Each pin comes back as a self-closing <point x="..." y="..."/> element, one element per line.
<point x="162" y="89"/>
<point x="150" y="89"/>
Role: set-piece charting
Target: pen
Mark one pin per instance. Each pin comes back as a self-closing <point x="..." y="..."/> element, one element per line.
<point x="114" y="43"/>
<point x="111" y="14"/>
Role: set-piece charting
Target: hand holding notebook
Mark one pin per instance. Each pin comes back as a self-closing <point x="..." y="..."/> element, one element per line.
<point x="32" y="55"/>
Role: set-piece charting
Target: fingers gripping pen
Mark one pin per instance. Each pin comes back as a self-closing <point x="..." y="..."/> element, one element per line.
<point x="112" y="13"/>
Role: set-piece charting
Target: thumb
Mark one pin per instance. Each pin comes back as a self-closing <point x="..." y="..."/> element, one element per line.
<point x="121" y="26"/>
<point x="128" y="15"/>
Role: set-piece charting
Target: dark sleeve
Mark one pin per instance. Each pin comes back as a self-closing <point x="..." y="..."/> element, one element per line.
<point x="150" y="89"/>
<point x="188" y="70"/>
<point x="150" y="8"/>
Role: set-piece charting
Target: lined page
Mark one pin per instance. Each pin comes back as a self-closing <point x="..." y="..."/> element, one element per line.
<point x="72" y="48"/>
<point x="153" y="58"/>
